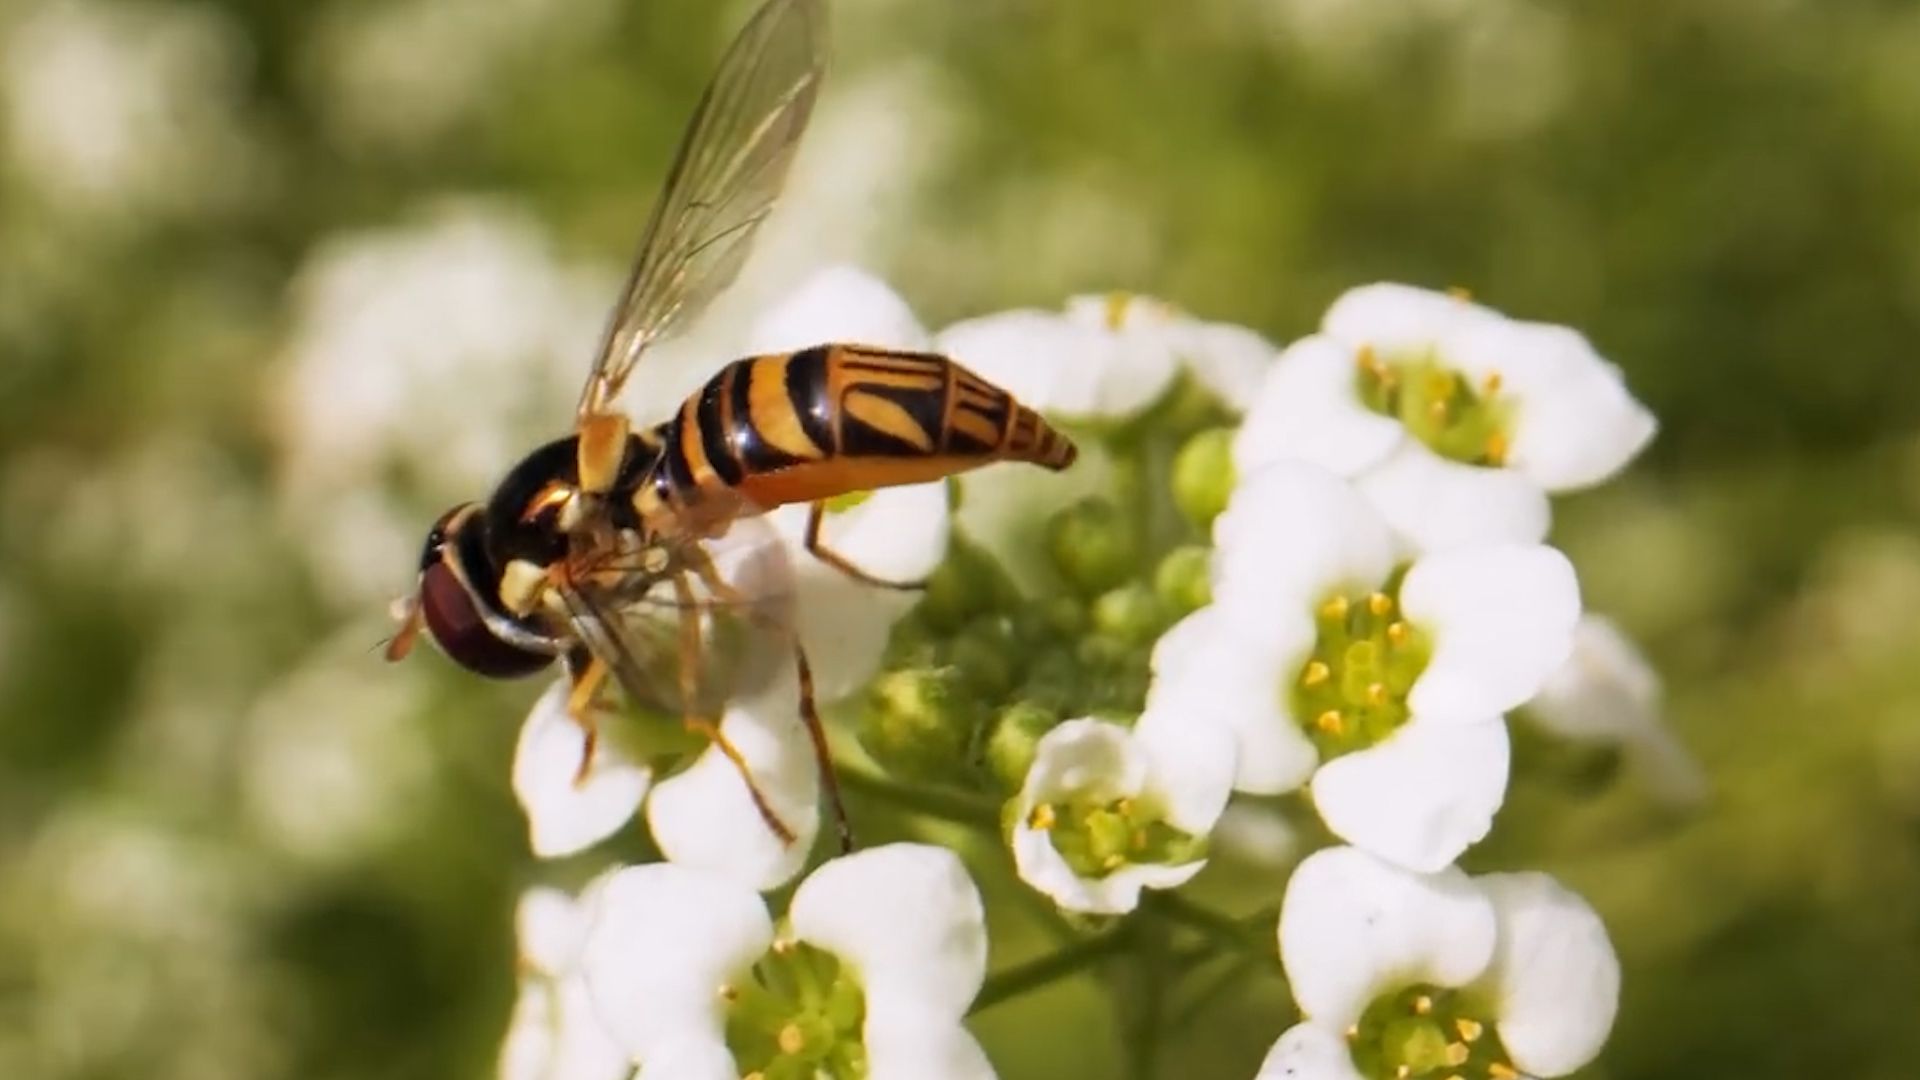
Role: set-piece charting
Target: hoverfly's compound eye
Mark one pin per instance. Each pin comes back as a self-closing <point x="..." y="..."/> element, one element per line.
<point x="437" y="537"/>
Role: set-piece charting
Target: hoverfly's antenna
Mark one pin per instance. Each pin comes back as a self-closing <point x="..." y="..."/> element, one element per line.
<point x="406" y="612"/>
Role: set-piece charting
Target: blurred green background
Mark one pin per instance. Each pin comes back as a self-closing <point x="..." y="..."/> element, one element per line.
<point x="247" y="250"/>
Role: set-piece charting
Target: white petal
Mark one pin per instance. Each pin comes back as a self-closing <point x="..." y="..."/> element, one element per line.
<point x="1398" y="318"/>
<point x="907" y="918"/>
<point x="1352" y="926"/>
<point x="1555" y="975"/>
<point x="1607" y="691"/>
<point x="838" y="303"/>
<point x="1308" y="409"/>
<point x="1422" y="796"/>
<point x="1434" y="504"/>
<point x="550" y="928"/>
<point x="1205" y="670"/>
<point x="1257" y="835"/>
<point x="1501" y="621"/>
<point x="690" y="1058"/>
<point x="1309" y="1051"/>
<point x="563" y="815"/>
<point x="1230" y="361"/>
<point x="897" y="534"/>
<point x="907" y="1042"/>
<point x="1190" y="766"/>
<point x="1062" y="366"/>
<point x="555" y="1035"/>
<point x="1084" y="758"/>
<point x="1292" y="534"/>
<point x="1005" y="509"/>
<point x="1575" y="424"/>
<point x="664" y="941"/>
<point x="705" y="816"/>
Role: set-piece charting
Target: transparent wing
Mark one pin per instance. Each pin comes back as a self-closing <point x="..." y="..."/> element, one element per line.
<point x="729" y="170"/>
<point x="690" y="652"/>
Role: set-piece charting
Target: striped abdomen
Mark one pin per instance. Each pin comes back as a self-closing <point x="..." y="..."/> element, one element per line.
<point x="835" y="419"/>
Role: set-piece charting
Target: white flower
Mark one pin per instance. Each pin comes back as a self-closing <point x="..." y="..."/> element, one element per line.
<point x="1385" y="693"/>
<point x="554" y="1033"/>
<point x="839" y="303"/>
<point x="1606" y="691"/>
<point x="703" y="816"/>
<point x="880" y="955"/>
<point x="1105" y="812"/>
<point x="1454" y="419"/>
<point x="1414" y="969"/>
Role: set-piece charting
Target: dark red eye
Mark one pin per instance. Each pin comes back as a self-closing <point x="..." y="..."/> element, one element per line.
<point x="463" y="635"/>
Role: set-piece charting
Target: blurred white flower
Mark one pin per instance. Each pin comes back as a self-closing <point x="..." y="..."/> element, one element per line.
<point x="1438" y="974"/>
<point x="1608" y="692"/>
<point x="1105" y="812"/>
<point x="879" y="956"/>
<point x="554" y="1033"/>
<point x="117" y="110"/>
<point x="1384" y="691"/>
<point x="1455" y="420"/>
<point x="702" y="816"/>
<point x="838" y="303"/>
<point x="439" y="352"/>
<point x="1255" y="834"/>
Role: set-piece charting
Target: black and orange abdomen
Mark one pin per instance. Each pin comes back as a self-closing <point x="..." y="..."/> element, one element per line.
<point x="834" y="419"/>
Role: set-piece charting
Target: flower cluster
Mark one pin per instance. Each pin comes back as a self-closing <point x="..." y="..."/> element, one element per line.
<point x="1317" y="571"/>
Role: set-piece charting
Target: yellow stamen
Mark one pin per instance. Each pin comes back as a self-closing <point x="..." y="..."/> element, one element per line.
<point x="1315" y="674"/>
<point x="1470" y="1030"/>
<point x="1459" y="292"/>
<point x="1457" y="1053"/>
<point x="1397" y="633"/>
<point x="1330" y="721"/>
<point x="1403" y="1071"/>
<point x="1497" y="449"/>
<point x="1335" y="608"/>
<point x="1490" y="385"/>
<point x="755" y="1075"/>
<point x="728" y="994"/>
<point x="1353" y="1031"/>
<point x="1368" y="360"/>
<point x="1117" y="309"/>
<point x="1112" y="862"/>
<point x="1379" y="603"/>
<point x="1437" y="411"/>
<point x="1502" y="1071"/>
<point x="1444" y="385"/>
<point x="1376" y="693"/>
<point x="1042" y="817"/>
<point x="1422" y="1005"/>
<point x="783" y="946"/>
<point x="792" y="1039"/>
<point x="1123" y="806"/>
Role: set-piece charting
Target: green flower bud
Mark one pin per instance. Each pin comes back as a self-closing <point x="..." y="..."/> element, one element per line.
<point x="1203" y="475"/>
<point x="1131" y="613"/>
<point x="1055" y="680"/>
<point x="987" y="655"/>
<point x="968" y="582"/>
<point x="1182" y="579"/>
<point x="1015" y="734"/>
<point x="920" y="723"/>
<point x="1093" y="545"/>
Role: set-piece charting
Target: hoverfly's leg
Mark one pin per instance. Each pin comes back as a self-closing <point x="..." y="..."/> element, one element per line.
<point x="822" y="756"/>
<point x="589" y="674"/>
<point x="401" y="643"/>
<point x="816" y="516"/>
<point x="601" y="448"/>
<point x="809" y="707"/>
<point x="689" y="691"/>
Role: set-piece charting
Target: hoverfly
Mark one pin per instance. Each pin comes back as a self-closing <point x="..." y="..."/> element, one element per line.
<point x="552" y="564"/>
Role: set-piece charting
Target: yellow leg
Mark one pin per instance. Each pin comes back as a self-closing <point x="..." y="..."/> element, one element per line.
<point x="581" y="706"/>
<point x="809" y="707"/>
<point x="601" y="449"/>
<point x="816" y="516"/>
<point x="689" y="690"/>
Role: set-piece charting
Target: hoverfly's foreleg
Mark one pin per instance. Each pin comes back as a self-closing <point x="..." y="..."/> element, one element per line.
<point x="689" y="691"/>
<point x="602" y="446"/>
<point x="816" y="516"/>
<point x="809" y="706"/>
<point x="588" y="674"/>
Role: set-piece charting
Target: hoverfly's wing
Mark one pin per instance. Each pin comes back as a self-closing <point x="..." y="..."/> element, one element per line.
<point x="729" y="169"/>
<point x="690" y="652"/>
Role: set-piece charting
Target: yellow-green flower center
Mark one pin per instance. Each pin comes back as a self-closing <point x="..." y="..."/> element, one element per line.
<point x="1454" y="416"/>
<point x="1352" y="691"/>
<point x="1098" y="837"/>
<point x="1428" y="1033"/>
<point x="797" y="1015"/>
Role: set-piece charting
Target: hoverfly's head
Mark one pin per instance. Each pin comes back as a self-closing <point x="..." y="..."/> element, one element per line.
<point x="457" y="601"/>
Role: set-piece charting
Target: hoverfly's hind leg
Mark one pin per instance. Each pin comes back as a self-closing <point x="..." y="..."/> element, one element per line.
<point x="816" y="516"/>
<point x="588" y="674"/>
<point x="690" y="708"/>
<point x="809" y="707"/>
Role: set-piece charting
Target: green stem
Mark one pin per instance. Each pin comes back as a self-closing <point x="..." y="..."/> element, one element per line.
<point x="1235" y="935"/>
<point x="946" y="804"/>
<point x="1041" y="971"/>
